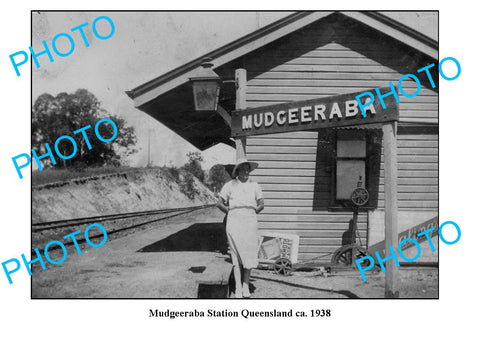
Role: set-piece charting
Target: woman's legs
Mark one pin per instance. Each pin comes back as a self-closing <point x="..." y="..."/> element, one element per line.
<point x="246" y="282"/>
<point x="238" y="281"/>
<point x="242" y="281"/>
<point x="242" y="237"/>
<point x="237" y="273"/>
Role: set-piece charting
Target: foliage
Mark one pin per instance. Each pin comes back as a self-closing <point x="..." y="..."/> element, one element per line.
<point x="195" y="156"/>
<point x="217" y="177"/>
<point x="53" y="117"/>
<point x="175" y="172"/>
<point x="51" y="175"/>
<point x="193" y="165"/>
<point x="187" y="186"/>
<point x="185" y="181"/>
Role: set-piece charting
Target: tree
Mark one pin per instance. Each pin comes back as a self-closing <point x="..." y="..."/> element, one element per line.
<point x="217" y="177"/>
<point x="193" y="165"/>
<point x="195" y="156"/>
<point x="187" y="186"/>
<point x="53" y="117"/>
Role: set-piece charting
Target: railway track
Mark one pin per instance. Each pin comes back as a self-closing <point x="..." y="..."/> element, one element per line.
<point x="81" y="220"/>
<point x="47" y="231"/>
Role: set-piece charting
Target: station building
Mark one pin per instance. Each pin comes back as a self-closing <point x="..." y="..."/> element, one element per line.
<point x="307" y="176"/>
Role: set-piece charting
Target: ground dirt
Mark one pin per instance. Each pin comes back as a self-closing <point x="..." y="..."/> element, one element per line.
<point x="419" y="282"/>
<point x="161" y="261"/>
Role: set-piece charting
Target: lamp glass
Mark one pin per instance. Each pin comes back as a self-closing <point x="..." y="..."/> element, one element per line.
<point x="205" y="94"/>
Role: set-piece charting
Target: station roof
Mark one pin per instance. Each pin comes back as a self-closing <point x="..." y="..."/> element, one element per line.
<point x="169" y="99"/>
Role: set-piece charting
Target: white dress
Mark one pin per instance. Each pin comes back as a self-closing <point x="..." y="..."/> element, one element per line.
<point x="242" y="225"/>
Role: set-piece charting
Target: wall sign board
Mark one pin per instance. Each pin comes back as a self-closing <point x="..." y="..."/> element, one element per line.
<point x="409" y="233"/>
<point x="312" y="114"/>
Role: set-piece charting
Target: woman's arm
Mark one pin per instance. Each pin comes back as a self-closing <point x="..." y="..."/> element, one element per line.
<point x="260" y="205"/>
<point x="221" y="205"/>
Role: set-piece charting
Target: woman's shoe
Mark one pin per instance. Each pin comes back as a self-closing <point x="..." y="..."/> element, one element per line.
<point x="238" y="293"/>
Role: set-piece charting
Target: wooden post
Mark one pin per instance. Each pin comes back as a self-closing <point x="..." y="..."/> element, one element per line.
<point x="241" y="104"/>
<point x="391" y="211"/>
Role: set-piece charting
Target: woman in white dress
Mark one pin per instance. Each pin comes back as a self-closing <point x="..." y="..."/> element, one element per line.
<point x="242" y="200"/>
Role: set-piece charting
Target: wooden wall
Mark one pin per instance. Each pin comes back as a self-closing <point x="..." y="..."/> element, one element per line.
<point x="295" y="176"/>
<point x="331" y="57"/>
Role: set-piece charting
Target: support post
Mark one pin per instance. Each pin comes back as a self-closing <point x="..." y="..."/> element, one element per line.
<point x="241" y="104"/>
<point x="391" y="211"/>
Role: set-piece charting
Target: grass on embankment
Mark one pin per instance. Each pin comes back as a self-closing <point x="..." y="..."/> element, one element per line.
<point x="51" y="175"/>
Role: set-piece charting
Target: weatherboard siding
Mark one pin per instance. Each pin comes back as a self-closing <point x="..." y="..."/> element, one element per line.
<point x="305" y="78"/>
<point x="295" y="176"/>
<point x="296" y="188"/>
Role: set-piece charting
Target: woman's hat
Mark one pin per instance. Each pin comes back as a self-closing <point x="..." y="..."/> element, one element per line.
<point x="240" y="161"/>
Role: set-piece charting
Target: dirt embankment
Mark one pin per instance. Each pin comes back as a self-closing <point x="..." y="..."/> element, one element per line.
<point x="139" y="190"/>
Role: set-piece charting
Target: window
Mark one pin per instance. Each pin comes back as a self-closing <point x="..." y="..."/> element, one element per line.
<point x="349" y="154"/>
<point x="350" y="163"/>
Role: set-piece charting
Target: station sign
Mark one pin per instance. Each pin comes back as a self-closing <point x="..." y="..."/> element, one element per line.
<point x="313" y="114"/>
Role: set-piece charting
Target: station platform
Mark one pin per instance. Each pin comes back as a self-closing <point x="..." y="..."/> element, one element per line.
<point x="186" y="257"/>
<point x="180" y="257"/>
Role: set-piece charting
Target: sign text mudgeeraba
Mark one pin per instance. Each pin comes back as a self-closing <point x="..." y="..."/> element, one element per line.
<point x="311" y="114"/>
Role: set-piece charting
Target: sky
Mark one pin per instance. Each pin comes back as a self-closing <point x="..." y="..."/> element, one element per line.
<point x="146" y="45"/>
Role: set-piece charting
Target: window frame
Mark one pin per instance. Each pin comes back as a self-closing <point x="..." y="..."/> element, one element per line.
<point x="370" y="158"/>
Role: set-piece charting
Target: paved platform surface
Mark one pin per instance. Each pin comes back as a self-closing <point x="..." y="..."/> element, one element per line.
<point x="162" y="262"/>
<point x="166" y="260"/>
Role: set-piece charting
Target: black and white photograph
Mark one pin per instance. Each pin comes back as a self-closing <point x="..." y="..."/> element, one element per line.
<point x="246" y="168"/>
